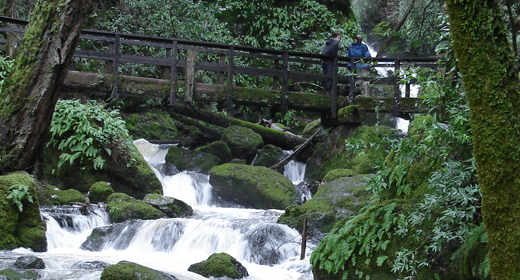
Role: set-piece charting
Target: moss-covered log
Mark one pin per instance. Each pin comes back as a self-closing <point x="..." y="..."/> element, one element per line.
<point x="31" y="90"/>
<point x="487" y="64"/>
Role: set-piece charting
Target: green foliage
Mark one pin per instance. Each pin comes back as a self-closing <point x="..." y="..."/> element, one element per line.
<point x="18" y="193"/>
<point x="87" y="133"/>
<point x="362" y="236"/>
<point x="6" y="66"/>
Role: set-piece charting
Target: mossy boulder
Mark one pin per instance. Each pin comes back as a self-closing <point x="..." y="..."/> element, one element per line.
<point x="252" y="186"/>
<point x="29" y="262"/>
<point x="268" y="156"/>
<point x="363" y="157"/>
<point x="330" y="154"/>
<point x="242" y="141"/>
<point x="11" y="274"/>
<point x="152" y="125"/>
<point x="137" y="180"/>
<point x="125" y="270"/>
<point x="332" y="202"/>
<point x="170" y="206"/>
<point x="191" y="160"/>
<point x="311" y="128"/>
<point x="220" y="265"/>
<point x="338" y="173"/>
<point x="122" y="207"/>
<point x="65" y="197"/>
<point x="99" y="192"/>
<point x="219" y="149"/>
<point x="20" y="228"/>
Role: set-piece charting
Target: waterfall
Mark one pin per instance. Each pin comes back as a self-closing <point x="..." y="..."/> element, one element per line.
<point x="268" y="250"/>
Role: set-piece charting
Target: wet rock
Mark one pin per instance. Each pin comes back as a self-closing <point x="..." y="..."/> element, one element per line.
<point x="125" y="270"/>
<point x="252" y="186"/>
<point x="90" y="265"/>
<point x="220" y="265"/>
<point x="29" y="262"/>
<point x="168" y="169"/>
<point x="268" y="156"/>
<point x="190" y="160"/>
<point x="112" y="233"/>
<point x="122" y="207"/>
<point x="10" y="274"/>
<point x="99" y="192"/>
<point x="170" y="206"/>
<point x="219" y="149"/>
<point x="243" y="142"/>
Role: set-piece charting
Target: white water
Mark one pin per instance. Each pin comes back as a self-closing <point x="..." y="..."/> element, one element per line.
<point x="268" y="250"/>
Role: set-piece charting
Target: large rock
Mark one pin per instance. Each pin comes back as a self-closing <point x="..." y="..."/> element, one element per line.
<point x="29" y="262"/>
<point x="99" y="192"/>
<point x="252" y="186"/>
<point x="191" y="160"/>
<point x="220" y="265"/>
<point x="268" y="156"/>
<point x="11" y="274"/>
<point x="170" y="206"/>
<point x="23" y="228"/>
<point x="336" y="200"/>
<point x="242" y="141"/>
<point x="122" y="207"/>
<point x="125" y="270"/>
<point x="136" y="178"/>
<point x="65" y="197"/>
<point x="112" y="234"/>
<point x="219" y="149"/>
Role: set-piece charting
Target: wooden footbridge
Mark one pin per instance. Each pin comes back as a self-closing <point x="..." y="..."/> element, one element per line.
<point x="176" y="62"/>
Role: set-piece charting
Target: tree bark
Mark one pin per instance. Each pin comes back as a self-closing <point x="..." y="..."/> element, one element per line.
<point x="31" y="90"/>
<point x="485" y="58"/>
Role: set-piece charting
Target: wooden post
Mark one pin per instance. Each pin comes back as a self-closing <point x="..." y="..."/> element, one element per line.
<point x="110" y="63"/>
<point x="165" y="69"/>
<point x="407" y="91"/>
<point x="115" y="95"/>
<point x="275" y="79"/>
<point x="397" y="91"/>
<point x="173" y="77"/>
<point x="221" y="74"/>
<point x="284" y="82"/>
<point x="304" y="238"/>
<point x="352" y="82"/>
<point x="334" y="88"/>
<point x="230" y="80"/>
<point x="190" y="75"/>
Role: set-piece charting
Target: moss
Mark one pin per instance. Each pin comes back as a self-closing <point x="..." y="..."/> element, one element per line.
<point x="99" y="192"/>
<point x="242" y="141"/>
<point x="122" y="207"/>
<point x="338" y="173"/>
<point x="191" y="160"/>
<point x="219" y="149"/>
<point x="153" y="125"/>
<point x="125" y="270"/>
<point x="64" y="197"/>
<point x="11" y="274"/>
<point x="219" y="265"/>
<point x="20" y="229"/>
<point x="252" y="186"/>
<point x="311" y="128"/>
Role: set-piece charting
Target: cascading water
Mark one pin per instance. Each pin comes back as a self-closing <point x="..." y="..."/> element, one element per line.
<point x="268" y="250"/>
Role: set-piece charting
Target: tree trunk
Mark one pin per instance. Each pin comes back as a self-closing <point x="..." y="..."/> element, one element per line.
<point x="31" y="90"/>
<point x="486" y="61"/>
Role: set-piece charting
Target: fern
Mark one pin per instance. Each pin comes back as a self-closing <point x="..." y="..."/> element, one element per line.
<point x="18" y="193"/>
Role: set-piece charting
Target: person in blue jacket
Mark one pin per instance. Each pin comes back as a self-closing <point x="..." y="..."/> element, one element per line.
<point x="331" y="48"/>
<point x="360" y="50"/>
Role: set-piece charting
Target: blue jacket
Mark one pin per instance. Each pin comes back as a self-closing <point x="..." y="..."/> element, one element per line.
<point x="358" y="50"/>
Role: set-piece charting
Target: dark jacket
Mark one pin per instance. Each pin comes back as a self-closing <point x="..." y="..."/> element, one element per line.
<point x="358" y="50"/>
<point x="331" y="47"/>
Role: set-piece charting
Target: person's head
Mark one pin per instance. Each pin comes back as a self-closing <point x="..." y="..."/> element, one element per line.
<point x="336" y="36"/>
<point x="358" y="39"/>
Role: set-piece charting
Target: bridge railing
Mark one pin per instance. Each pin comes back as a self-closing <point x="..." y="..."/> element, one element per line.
<point x="227" y="61"/>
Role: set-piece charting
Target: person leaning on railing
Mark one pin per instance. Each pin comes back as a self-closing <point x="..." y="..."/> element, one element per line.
<point x="331" y="48"/>
<point x="358" y="49"/>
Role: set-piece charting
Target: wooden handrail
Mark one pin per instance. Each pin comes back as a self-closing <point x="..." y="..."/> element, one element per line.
<point x="277" y="71"/>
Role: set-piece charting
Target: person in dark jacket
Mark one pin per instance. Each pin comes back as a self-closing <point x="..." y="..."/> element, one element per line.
<point x="331" y="48"/>
<point x="360" y="50"/>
